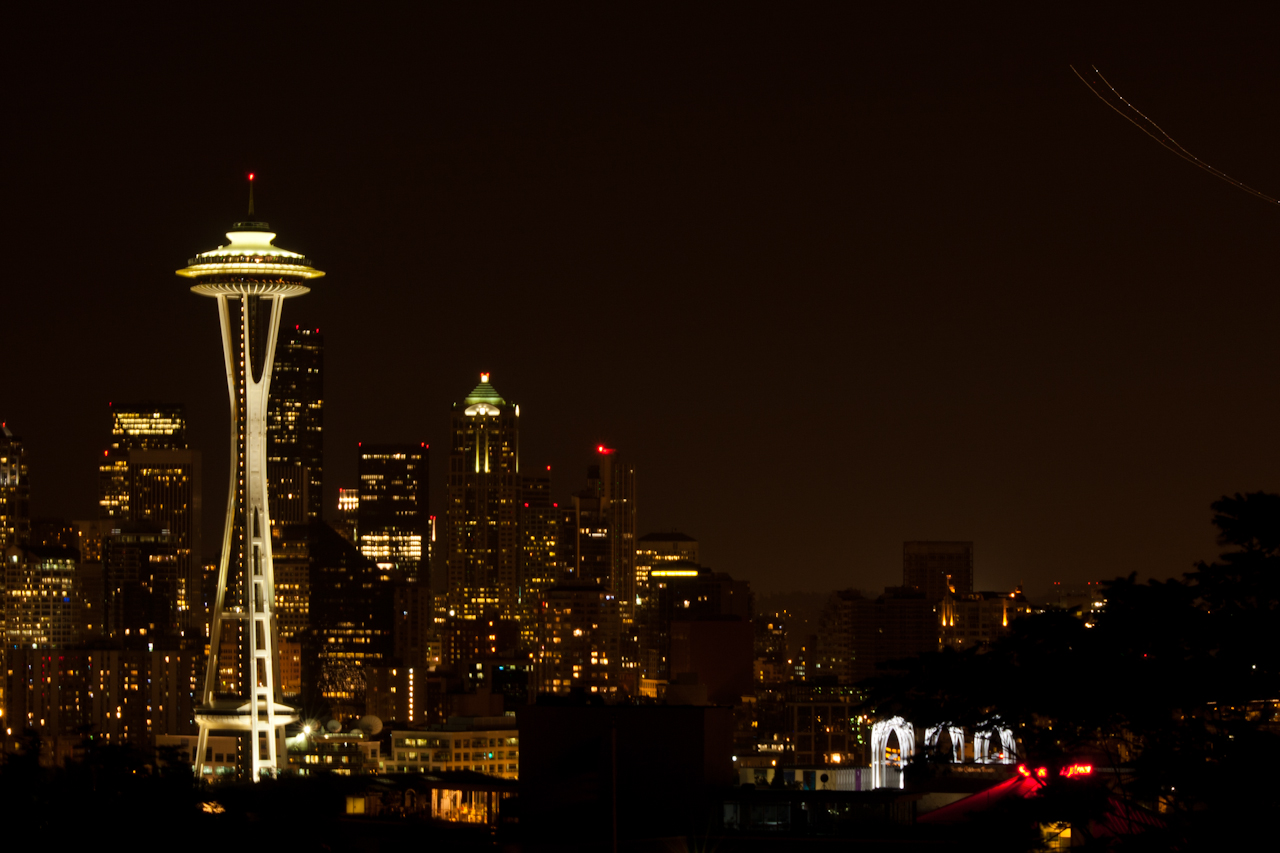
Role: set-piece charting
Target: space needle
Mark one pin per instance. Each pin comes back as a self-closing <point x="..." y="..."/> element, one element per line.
<point x="251" y="279"/>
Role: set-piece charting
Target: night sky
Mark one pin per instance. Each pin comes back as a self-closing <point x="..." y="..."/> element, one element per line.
<point x="832" y="281"/>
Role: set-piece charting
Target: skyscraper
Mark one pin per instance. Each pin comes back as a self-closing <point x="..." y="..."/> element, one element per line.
<point x="540" y="531"/>
<point x="15" y="492"/>
<point x="482" y="544"/>
<point x="394" y="508"/>
<point x="604" y="533"/>
<point x="149" y="483"/>
<point x="295" y="427"/>
<point x="40" y="611"/>
<point x="250" y="278"/>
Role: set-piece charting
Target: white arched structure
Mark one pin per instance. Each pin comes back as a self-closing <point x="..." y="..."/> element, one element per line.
<point x="933" y="734"/>
<point x="1010" y="747"/>
<point x="880" y="741"/>
<point x="982" y="743"/>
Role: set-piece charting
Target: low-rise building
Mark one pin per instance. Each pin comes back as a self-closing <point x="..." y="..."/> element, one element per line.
<point x="489" y="745"/>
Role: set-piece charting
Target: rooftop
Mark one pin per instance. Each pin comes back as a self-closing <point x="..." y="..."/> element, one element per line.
<point x="484" y="399"/>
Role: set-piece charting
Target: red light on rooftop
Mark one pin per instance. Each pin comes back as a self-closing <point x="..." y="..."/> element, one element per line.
<point x="251" y="176"/>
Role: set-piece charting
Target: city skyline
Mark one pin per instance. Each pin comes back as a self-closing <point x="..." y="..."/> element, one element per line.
<point x="1018" y="322"/>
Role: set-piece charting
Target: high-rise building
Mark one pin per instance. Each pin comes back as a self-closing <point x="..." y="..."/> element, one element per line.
<point x="140" y="585"/>
<point x="295" y="427"/>
<point x="482" y="547"/>
<point x="857" y="636"/>
<point x="352" y="620"/>
<point x="39" y="589"/>
<point x="150" y="479"/>
<point x="541" y="554"/>
<point x="579" y="630"/>
<point x="394" y="508"/>
<point x="936" y="568"/>
<point x="15" y="491"/>
<point x="603" y="541"/>
<point x="250" y="278"/>
<point x="348" y="514"/>
<point x="653" y="550"/>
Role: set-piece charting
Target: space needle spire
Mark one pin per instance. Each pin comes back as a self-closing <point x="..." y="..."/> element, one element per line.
<point x="250" y="278"/>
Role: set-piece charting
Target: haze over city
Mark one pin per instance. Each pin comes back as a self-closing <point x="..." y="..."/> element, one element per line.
<point x="832" y="280"/>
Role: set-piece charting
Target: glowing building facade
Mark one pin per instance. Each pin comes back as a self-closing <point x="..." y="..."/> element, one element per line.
<point x="603" y="537"/>
<point x="250" y="279"/>
<point x="578" y="649"/>
<point x="295" y="427"/>
<point x="39" y="608"/>
<point x="15" y="492"/>
<point x="150" y="487"/>
<point x="482" y="525"/>
<point x="393" y="510"/>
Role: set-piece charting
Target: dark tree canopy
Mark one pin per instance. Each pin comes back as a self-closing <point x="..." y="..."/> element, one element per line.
<point x="1175" y="684"/>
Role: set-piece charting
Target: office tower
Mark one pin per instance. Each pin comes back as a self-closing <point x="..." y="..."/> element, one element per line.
<point x="150" y="479"/>
<point x="394" y="508"/>
<point x="291" y="567"/>
<point x="579" y="630"/>
<point x="15" y="491"/>
<point x="39" y="587"/>
<point x="656" y="549"/>
<point x="349" y="514"/>
<point x="857" y="635"/>
<point x="936" y="568"/>
<point x="540" y="552"/>
<point x="482" y="548"/>
<point x="250" y="279"/>
<point x="295" y="428"/>
<point x="681" y="591"/>
<point x="602" y="547"/>
<point x="352" y="620"/>
<point x="140" y="584"/>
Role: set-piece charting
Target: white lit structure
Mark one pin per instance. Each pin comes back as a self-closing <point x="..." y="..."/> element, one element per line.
<point x="880" y="761"/>
<point x="250" y="278"/>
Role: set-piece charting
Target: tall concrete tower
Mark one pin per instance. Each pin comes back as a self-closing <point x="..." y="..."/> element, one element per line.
<point x="250" y="278"/>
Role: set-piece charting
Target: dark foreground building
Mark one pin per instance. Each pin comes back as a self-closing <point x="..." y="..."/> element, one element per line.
<point x="590" y="773"/>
